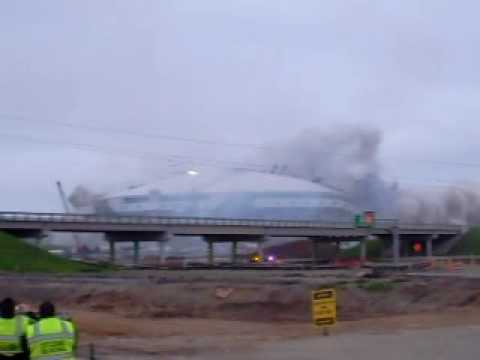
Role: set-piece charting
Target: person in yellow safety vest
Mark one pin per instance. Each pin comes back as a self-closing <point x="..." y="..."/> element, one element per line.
<point x="51" y="337"/>
<point x="12" y="330"/>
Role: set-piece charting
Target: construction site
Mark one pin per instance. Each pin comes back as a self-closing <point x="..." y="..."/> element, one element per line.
<point x="225" y="265"/>
<point x="220" y="314"/>
<point x="179" y="312"/>
<point x="239" y="180"/>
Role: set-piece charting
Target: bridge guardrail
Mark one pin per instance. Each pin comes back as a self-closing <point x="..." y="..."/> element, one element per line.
<point x="91" y="218"/>
<point x="157" y="220"/>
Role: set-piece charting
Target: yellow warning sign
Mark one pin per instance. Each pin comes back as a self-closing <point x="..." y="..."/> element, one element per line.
<point x="324" y="307"/>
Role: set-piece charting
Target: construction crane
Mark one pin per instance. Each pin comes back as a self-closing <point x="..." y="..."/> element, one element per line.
<point x="63" y="198"/>
<point x="66" y="208"/>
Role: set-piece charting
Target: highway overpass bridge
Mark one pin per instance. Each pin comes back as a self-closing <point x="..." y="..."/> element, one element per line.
<point x="137" y="229"/>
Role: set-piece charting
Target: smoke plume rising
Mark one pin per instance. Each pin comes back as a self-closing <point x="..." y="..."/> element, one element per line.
<point x="455" y="205"/>
<point x="347" y="158"/>
<point x="344" y="158"/>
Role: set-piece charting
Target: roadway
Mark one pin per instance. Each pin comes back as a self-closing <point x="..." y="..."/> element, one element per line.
<point x="460" y="343"/>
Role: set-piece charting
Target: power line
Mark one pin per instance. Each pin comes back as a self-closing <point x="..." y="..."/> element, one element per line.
<point x="431" y="183"/>
<point x="454" y="163"/>
<point x="151" y="135"/>
<point x="430" y="161"/>
<point x="172" y="158"/>
<point x="109" y="131"/>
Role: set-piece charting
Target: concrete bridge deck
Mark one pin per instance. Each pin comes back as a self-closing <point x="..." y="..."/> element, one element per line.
<point x="142" y="228"/>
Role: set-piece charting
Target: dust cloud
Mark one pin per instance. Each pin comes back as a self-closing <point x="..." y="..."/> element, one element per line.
<point x="343" y="158"/>
<point x="455" y="205"/>
<point x="347" y="158"/>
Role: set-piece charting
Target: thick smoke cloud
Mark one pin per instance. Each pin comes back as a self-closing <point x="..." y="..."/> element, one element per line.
<point x="344" y="158"/>
<point x="347" y="158"/>
<point x="339" y="156"/>
<point x="84" y="199"/>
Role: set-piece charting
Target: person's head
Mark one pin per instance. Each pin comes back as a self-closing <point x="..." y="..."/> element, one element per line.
<point x="7" y="308"/>
<point x="46" y="310"/>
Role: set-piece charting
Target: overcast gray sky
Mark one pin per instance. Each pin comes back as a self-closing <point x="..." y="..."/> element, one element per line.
<point x="239" y="71"/>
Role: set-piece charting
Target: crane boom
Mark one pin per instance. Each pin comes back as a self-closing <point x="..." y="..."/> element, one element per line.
<point x="63" y="197"/>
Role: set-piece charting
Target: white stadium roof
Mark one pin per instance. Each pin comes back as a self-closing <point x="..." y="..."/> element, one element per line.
<point x="226" y="182"/>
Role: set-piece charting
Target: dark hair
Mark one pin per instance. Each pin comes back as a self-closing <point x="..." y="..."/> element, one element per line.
<point x="31" y="315"/>
<point x="7" y="308"/>
<point x="46" y="309"/>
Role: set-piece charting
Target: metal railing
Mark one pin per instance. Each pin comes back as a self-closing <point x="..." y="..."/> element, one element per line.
<point x="197" y="221"/>
<point x="160" y="220"/>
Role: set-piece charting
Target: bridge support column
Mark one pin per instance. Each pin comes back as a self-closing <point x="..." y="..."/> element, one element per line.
<point x="430" y="246"/>
<point x="162" y="240"/>
<point x="210" y="254"/>
<point x="315" y="254"/>
<point x="260" y="250"/>
<point x="337" y="248"/>
<point x="136" y="252"/>
<point x="161" y="252"/>
<point x="396" y="246"/>
<point x="363" y="250"/>
<point x="234" y="252"/>
<point x="112" y="251"/>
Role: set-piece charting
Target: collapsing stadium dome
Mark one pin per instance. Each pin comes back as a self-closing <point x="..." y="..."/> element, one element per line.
<point x="231" y="194"/>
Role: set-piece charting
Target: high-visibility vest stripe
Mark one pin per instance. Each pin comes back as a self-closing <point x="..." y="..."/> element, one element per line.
<point x="57" y="357"/>
<point x="37" y="340"/>
<point x="14" y="339"/>
<point x="47" y="338"/>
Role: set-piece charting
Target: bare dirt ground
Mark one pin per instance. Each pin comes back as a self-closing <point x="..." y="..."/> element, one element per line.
<point x="218" y="339"/>
<point x="225" y="314"/>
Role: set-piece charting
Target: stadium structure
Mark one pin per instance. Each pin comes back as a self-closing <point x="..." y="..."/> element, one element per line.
<point x="231" y="194"/>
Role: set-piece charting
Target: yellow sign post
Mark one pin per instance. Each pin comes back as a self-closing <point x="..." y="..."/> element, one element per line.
<point x="324" y="308"/>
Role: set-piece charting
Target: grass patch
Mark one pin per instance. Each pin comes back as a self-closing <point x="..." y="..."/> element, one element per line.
<point x="376" y="286"/>
<point x="374" y="250"/>
<point x="400" y="281"/>
<point x="470" y="244"/>
<point x="19" y="256"/>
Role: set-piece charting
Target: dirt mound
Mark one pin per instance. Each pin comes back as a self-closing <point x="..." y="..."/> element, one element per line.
<point x="282" y="303"/>
<point x="357" y="299"/>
